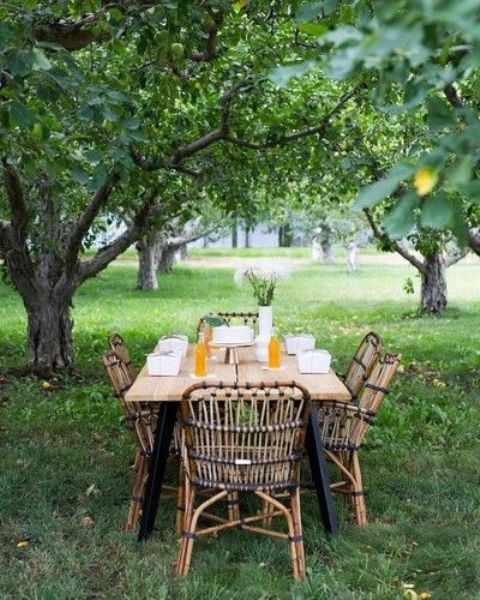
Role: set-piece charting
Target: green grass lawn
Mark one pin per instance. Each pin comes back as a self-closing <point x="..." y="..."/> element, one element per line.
<point x="421" y="464"/>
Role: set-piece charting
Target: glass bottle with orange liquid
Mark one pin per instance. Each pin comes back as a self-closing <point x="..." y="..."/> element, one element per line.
<point x="201" y="356"/>
<point x="207" y="333"/>
<point x="274" y="360"/>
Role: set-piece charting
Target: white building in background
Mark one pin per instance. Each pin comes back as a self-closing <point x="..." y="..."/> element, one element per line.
<point x="261" y="236"/>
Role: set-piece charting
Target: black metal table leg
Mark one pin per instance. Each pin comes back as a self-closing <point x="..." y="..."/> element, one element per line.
<point x="318" y="466"/>
<point x="158" y="462"/>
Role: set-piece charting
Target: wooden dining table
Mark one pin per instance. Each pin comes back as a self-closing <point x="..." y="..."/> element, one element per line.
<point x="167" y="392"/>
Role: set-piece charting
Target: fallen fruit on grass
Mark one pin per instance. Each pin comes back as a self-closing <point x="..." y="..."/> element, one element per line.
<point x="46" y="385"/>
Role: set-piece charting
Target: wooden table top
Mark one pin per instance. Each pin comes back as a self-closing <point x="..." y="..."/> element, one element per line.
<point x="169" y="389"/>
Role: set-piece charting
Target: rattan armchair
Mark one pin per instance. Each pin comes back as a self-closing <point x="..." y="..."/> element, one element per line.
<point x="142" y="422"/>
<point x="118" y="345"/>
<point x="245" y="318"/>
<point x="362" y="363"/>
<point x="344" y="426"/>
<point x="243" y="438"/>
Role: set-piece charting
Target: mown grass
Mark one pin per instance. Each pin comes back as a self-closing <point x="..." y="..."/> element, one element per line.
<point x="421" y="465"/>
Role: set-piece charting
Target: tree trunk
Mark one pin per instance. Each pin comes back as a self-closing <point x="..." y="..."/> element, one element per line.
<point x="285" y="235"/>
<point x="167" y="259"/>
<point x="474" y="236"/>
<point x="234" y="235"/>
<point x="50" y="325"/>
<point x="183" y="252"/>
<point x="147" y="265"/>
<point x="316" y="254"/>
<point x="247" y="237"/>
<point x="434" y="284"/>
<point x="352" y="256"/>
<point x="327" y="251"/>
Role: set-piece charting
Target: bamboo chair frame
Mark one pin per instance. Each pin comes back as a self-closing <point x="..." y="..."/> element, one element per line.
<point x="243" y="438"/>
<point x="248" y="318"/>
<point x="142" y="423"/>
<point x="118" y="345"/>
<point x="344" y="427"/>
<point x="362" y="363"/>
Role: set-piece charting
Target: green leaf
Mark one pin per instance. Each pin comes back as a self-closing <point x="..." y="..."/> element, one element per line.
<point x="459" y="228"/>
<point x="99" y="178"/>
<point x="401" y="220"/>
<point x="238" y="5"/>
<point x="437" y="211"/>
<point x="280" y="76"/>
<point x="461" y="172"/>
<point x="440" y="115"/>
<point x="471" y="191"/>
<point x="40" y="61"/>
<point x="22" y="115"/>
<point x="309" y="11"/>
<point x="373" y="193"/>
<point x="80" y="176"/>
<point x="316" y="29"/>
<point x="131" y="123"/>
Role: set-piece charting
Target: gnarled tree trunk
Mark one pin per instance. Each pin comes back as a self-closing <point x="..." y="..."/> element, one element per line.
<point x="167" y="258"/>
<point x="326" y="245"/>
<point x="183" y="252"/>
<point x="149" y="252"/>
<point x="50" y="325"/>
<point x="434" y="284"/>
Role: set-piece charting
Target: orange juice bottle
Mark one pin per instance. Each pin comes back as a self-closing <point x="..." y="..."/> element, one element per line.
<point x="201" y="357"/>
<point x="274" y="351"/>
<point x="208" y="338"/>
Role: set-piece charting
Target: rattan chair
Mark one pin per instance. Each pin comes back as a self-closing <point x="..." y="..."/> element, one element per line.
<point x="344" y="426"/>
<point x="245" y="318"/>
<point x="118" y="345"/>
<point x="142" y="422"/>
<point x="243" y="438"/>
<point x="362" y="363"/>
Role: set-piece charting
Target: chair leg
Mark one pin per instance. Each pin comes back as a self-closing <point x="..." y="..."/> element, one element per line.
<point x="138" y="490"/>
<point x="359" y="499"/>
<point x="233" y="506"/>
<point x="191" y="521"/>
<point x="189" y="492"/>
<point x="298" y="534"/>
<point x="181" y="504"/>
<point x="294" y="532"/>
<point x="346" y="459"/>
<point x="267" y="509"/>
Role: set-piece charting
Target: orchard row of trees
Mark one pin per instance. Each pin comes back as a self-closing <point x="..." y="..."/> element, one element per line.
<point x="169" y="116"/>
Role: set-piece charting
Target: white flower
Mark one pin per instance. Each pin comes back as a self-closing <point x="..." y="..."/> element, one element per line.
<point x="269" y="270"/>
<point x="263" y="276"/>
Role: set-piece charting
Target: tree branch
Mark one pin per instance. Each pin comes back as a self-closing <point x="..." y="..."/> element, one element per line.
<point x="211" y="28"/>
<point x="16" y="201"/>
<point x="382" y="236"/>
<point x="178" y="241"/>
<point x="453" y="96"/>
<point x="104" y="256"/>
<point x="182" y="152"/>
<point x="97" y="202"/>
<point x="456" y="256"/>
<point x="319" y="128"/>
<point x="70" y="34"/>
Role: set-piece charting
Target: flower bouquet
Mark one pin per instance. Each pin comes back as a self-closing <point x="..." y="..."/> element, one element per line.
<point x="263" y="277"/>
